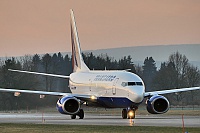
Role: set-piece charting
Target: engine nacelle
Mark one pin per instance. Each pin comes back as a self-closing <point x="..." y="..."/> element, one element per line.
<point x="157" y="104"/>
<point x="68" y="105"/>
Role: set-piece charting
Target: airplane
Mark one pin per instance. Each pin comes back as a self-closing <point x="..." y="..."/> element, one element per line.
<point x="106" y="88"/>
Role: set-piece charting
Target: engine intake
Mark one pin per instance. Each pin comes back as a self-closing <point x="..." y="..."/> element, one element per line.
<point x="68" y="105"/>
<point x="157" y="104"/>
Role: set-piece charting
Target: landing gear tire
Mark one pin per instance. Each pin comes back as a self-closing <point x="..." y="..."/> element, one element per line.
<point x="124" y="114"/>
<point x="73" y="116"/>
<point x="81" y="114"/>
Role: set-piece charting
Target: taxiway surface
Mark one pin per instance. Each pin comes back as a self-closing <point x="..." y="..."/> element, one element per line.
<point x="92" y="119"/>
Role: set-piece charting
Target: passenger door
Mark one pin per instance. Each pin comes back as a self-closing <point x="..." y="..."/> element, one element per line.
<point x="114" y="86"/>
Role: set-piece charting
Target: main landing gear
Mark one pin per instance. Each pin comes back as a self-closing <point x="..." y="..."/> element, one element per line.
<point x="128" y="113"/>
<point x="80" y="114"/>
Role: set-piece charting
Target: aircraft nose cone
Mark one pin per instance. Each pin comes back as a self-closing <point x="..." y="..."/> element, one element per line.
<point x="139" y="98"/>
<point x="137" y="94"/>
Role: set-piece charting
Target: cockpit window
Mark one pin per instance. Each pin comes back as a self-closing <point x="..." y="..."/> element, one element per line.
<point x="139" y="83"/>
<point x="131" y="84"/>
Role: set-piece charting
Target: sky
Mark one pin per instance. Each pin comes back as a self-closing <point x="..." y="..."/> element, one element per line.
<point x="42" y="26"/>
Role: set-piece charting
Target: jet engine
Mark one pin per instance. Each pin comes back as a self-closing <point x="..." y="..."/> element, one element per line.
<point x="157" y="104"/>
<point x="68" y="105"/>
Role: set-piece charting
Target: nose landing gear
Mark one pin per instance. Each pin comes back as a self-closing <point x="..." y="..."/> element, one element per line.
<point x="128" y="113"/>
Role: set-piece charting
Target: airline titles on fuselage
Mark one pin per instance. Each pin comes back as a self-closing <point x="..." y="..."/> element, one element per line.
<point x="104" y="78"/>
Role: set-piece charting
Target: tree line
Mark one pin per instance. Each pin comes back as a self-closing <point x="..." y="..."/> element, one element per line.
<point x="177" y="72"/>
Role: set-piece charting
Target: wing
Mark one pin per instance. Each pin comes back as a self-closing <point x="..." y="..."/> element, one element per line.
<point x="44" y="74"/>
<point x="81" y="97"/>
<point x="35" y="92"/>
<point x="170" y="91"/>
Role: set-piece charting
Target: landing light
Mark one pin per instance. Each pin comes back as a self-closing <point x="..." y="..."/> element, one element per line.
<point x="130" y="113"/>
<point x="93" y="97"/>
<point x="42" y="96"/>
<point x="16" y="94"/>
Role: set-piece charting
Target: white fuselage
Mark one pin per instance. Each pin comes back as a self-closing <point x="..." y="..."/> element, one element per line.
<point x="119" y="84"/>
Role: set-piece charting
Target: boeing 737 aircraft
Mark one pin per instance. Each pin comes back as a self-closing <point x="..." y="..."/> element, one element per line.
<point x="107" y="89"/>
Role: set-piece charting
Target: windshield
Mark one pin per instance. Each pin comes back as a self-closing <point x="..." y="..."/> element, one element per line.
<point x="131" y="84"/>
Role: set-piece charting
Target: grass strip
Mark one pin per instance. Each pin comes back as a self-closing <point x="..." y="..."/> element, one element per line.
<point x="47" y="128"/>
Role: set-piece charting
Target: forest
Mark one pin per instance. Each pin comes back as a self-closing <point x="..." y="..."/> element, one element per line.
<point x="177" y="72"/>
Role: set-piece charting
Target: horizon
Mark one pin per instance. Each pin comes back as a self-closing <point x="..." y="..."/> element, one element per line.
<point x="138" y="53"/>
<point x="104" y="49"/>
<point x="95" y="50"/>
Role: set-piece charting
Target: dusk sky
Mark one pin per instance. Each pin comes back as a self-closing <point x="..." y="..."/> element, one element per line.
<point x="42" y="26"/>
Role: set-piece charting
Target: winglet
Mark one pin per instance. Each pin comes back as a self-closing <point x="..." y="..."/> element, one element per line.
<point x="77" y="59"/>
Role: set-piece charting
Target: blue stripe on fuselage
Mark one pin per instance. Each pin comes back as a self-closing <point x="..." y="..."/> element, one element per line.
<point x="116" y="102"/>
